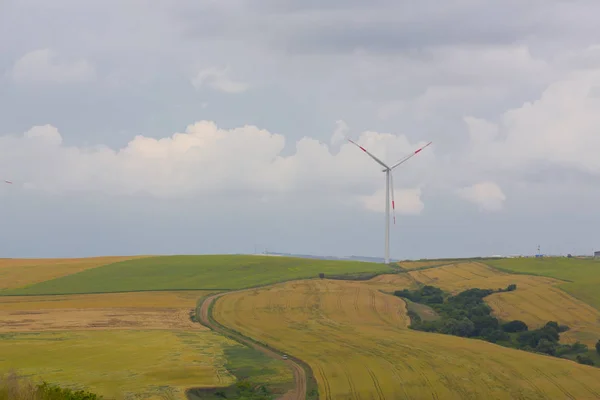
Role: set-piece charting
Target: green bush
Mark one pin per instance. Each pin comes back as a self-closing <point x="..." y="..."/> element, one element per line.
<point x="13" y="387"/>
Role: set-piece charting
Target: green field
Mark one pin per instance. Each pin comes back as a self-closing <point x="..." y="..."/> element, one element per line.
<point x="117" y="364"/>
<point x="582" y="276"/>
<point x="193" y="272"/>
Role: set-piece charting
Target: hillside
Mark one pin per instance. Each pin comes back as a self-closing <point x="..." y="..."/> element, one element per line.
<point x="224" y="272"/>
<point x="581" y="276"/>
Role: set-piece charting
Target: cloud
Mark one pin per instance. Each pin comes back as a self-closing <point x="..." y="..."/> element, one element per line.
<point x="206" y="160"/>
<point x="340" y="133"/>
<point x="218" y="79"/>
<point x="561" y="128"/>
<point x="42" y="67"/>
<point x="487" y="195"/>
<point x="407" y="201"/>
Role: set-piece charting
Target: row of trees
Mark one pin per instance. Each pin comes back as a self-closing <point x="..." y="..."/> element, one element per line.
<point x="466" y="314"/>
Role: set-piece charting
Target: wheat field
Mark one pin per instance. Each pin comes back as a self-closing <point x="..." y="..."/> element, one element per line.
<point x="356" y="340"/>
<point x="536" y="301"/>
<point x="120" y="364"/>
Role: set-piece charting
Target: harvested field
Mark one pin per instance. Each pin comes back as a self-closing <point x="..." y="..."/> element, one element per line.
<point x="179" y="299"/>
<point x="356" y="340"/>
<point x="147" y="310"/>
<point x="19" y="272"/>
<point x="96" y="319"/>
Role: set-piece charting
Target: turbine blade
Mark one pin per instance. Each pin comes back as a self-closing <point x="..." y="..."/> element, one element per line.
<point x="372" y="156"/>
<point x="393" y="202"/>
<point x="410" y="156"/>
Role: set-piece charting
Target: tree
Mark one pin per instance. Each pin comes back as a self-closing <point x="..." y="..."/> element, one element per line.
<point x="511" y="287"/>
<point x="515" y="326"/>
<point x="546" y="346"/>
<point x="582" y="359"/>
<point x="598" y="347"/>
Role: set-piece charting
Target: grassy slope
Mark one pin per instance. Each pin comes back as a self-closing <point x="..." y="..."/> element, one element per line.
<point x="583" y="275"/>
<point x="193" y="272"/>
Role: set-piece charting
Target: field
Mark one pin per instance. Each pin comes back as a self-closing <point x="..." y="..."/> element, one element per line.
<point x="118" y="363"/>
<point x="121" y="344"/>
<point x="582" y="276"/>
<point x="356" y="340"/>
<point x="122" y="327"/>
<point x="163" y="310"/>
<point x="192" y="273"/>
<point x="15" y="273"/>
<point x="536" y="301"/>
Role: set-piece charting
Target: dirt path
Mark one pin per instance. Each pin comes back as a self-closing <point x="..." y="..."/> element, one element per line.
<point x="299" y="390"/>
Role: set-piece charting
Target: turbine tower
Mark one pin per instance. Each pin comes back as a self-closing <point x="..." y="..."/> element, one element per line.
<point x="389" y="181"/>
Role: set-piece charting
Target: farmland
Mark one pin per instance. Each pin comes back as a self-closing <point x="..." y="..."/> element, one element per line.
<point x="118" y="363"/>
<point x="192" y="273"/>
<point x="536" y="301"/>
<point x="581" y="276"/>
<point x="121" y="344"/>
<point x="356" y="340"/>
<point x="20" y="272"/>
<point x="130" y="318"/>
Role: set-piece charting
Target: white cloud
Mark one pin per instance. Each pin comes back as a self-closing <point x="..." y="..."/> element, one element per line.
<point x="42" y="67"/>
<point x="407" y="201"/>
<point x="208" y="160"/>
<point x="340" y="133"/>
<point x="487" y="195"/>
<point x="219" y="79"/>
<point x="561" y="128"/>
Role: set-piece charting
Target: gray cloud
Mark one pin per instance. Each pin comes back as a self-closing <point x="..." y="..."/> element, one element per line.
<point x="413" y="69"/>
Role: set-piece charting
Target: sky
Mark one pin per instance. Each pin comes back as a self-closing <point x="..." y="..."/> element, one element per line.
<point x="220" y="126"/>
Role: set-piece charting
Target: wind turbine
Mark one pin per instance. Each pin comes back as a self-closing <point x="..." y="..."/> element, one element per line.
<point x="389" y="181"/>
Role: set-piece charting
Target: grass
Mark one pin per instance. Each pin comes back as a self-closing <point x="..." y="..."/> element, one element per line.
<point x="424" y="312"/>
<point x="17" y="272"/>
<point x="192" y="273"/>
<point x="582" y="275"/>
<point x="120" y="363"/>
<point x="357" y="342"/>
<point x="246" y="363"/>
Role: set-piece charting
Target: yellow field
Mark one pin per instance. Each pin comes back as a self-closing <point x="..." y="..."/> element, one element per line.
<point x="536" y="301"/>
<point x="145" y="310"/>
<point x="179" y="299"/>
<point x="113" y="344"/>
<point x="15" y="273"/>
<point x="420" y="264"/>
<point x="356" y="340"/>
<point x="120" y="363"/>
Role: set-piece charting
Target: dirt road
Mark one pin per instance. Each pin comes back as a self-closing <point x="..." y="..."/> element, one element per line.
<point x="299" y="390"/>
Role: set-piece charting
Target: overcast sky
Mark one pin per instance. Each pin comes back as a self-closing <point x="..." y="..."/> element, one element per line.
<point x="219" y="126"/>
